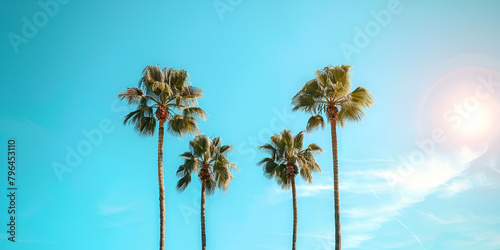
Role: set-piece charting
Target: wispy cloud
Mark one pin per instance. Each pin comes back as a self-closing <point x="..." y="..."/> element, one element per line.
<point x="414" y="235"/>
<point x="471" y="231"/>
<point x="365" y="160"/>
<point x="313" y="190"/>
<point x="353" y="241"/>
<point x="116" y="215"/>
<point x="463" y="183"/>
<point x="322" y="236"/>
<point x="108" y="209"/>
<point x="445" y="218"/>
<point x="393" y="191"/>
<point x="396" y="190"/>
<point x="478" y="238"/>
<point x="491" y="164"/>
<point x="321" y="185"/>
<point x="320" y="241"/>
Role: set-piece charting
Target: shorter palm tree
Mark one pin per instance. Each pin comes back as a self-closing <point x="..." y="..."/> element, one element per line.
<point x="288" y="158"/>
<point x="208" y="157"/>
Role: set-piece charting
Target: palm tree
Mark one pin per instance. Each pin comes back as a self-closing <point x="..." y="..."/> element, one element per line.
<point x="330" y="94"/>
<point x="288" y="158"/>
<point x="207" y="157"/>
<point x="165" y="95"/>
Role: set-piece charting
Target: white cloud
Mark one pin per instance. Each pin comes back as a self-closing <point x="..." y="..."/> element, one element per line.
<point x="445" y="217"/>
<point x="321" y="184"/>
<point x="321" y="240"/>
<point x="409" y="230"/>
<point x="390" y="190"/>
<point x="353" y="241"/>
<point x="491" y="164"/>
<point x="397" y="188"/>
<point x="365" y="160"/>
<point x="312" y="190"/>
<point x="107" y="209"/>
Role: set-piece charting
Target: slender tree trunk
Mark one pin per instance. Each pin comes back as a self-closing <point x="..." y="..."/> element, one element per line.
<point x="333" y="124"/>
<point x="202" y="209"/>
<point x="294" y="195"/>
<point x="161" y="186"/>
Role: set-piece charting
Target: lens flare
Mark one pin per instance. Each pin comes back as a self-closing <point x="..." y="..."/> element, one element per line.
<point x="463" y="105"/>
<point x="477" y="123"/>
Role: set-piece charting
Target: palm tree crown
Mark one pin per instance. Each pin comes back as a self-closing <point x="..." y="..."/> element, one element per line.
<point x="169" y="91"/>
<point x="208" y="158"/>
<point x="289" y="158"/>
<point x="330" y="93"/>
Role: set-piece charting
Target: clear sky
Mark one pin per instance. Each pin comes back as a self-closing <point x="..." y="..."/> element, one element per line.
<point x="419" y="172"/>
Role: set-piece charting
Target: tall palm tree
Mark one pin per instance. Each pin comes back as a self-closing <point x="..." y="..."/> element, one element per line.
<point x="163" y="95"/>
<point x="330" y="94"/>
<point x="208" y="158"/>
<point x="289" y="158"/>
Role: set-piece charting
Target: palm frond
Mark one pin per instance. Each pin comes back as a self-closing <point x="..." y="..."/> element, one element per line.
<point x="194" y="112"/>
<point x="131" y="95"/>
<point x="298" y="141"/>
<point x="306" y="175"/>
<point x="305" y="103"/>
<point x="222" y="174"/>
<point x="189" y="96"/>
<point x="210" y="187"/>
<point x="163" y="89"/>
<point x="190" y="164"/>
<point x="362" y="97"/>
<point x="142" y="118"/>
<point x="183" y="182"/>
<point x="282" y="178"/>
<point x="313" y="147"/>
<point x="150" y="75"/>
<point x="314" y="123"/>
<point x="269" y="149"/>
<point x="310" y="98"/>
<point x="350" y="112"/>
<point x="180" y="125"/>
<point x="269" y="166"/>
<point x="226" y="149"/>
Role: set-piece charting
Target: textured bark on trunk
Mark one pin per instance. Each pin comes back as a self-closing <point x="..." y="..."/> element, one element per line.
<point x="333" y="124"/>
<point x="161" y="185"/>
<point x="202" y="209"/>
<point x="294" y="194"/>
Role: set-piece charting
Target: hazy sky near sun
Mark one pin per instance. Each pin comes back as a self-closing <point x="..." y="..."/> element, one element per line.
<point x="421" y="171"/>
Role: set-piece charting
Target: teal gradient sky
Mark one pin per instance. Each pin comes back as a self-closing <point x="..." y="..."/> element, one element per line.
<point x="422" y="64"/>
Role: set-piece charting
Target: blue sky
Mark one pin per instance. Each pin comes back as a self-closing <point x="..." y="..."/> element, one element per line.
<point x="419" y="172"/>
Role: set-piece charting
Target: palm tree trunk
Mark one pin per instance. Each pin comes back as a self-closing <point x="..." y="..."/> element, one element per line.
<point x="294" y="194"/>
<point x="161" y="186"/>
<point x="333" y="124"/>
<point x="202" y="209"/>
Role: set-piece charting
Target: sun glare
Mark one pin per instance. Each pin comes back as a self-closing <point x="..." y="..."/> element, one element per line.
<point x="477" y="123"/>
